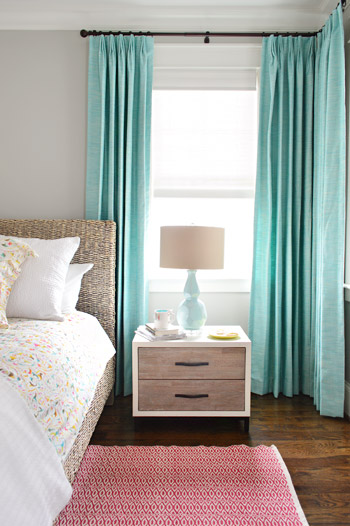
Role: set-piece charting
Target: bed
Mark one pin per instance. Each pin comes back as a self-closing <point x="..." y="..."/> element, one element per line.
<point x="97" y="298"/>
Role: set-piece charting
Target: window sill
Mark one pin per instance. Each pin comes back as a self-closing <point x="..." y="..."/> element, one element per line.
<point x="205" y="285"/>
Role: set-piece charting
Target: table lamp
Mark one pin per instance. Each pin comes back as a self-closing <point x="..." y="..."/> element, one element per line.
<point x="192" y="248"/>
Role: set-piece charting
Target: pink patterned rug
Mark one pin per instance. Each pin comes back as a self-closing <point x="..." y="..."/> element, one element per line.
<point x="183" y="486"/>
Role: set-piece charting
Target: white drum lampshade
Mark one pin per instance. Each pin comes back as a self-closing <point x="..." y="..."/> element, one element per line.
<point x="192" y="248"/>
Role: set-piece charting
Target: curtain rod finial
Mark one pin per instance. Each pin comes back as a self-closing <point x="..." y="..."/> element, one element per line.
<point x="83" y="33"/>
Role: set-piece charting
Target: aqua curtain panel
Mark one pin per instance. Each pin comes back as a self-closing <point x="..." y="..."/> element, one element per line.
<point x="296" y="321"/>
<point x="328" y="219"/>
<point x="118" y="172"/>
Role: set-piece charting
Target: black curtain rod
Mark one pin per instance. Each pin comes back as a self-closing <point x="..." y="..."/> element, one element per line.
<point x="84" y="33"/>
<point x="206" y="35"/>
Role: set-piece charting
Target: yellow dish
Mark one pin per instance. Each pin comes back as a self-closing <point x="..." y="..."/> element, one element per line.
<point x="221" y="334"/>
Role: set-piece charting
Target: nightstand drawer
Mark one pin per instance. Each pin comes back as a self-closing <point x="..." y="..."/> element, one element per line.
<point x="191" y="395"/>
<point x="217" y="363"/>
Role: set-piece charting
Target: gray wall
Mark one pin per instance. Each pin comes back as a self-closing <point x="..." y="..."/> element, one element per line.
<point x="43" y="95"/>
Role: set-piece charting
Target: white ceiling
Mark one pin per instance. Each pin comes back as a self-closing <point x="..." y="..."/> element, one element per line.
<point x="166" y="15"/>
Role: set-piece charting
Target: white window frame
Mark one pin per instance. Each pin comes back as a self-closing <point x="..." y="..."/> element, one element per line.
<point x="217" y="66"/>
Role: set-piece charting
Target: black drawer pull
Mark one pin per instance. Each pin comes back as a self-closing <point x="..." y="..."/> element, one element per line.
<point x="191" y="364"/>
<point x="192" y="396"/>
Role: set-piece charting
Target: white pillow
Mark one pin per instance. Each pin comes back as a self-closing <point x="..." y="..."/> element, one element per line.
<point x="72" y="286"/>
<point x="37" y="293"/>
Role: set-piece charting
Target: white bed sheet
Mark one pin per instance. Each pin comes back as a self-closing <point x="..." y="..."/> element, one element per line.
<point x="33" y="485"/>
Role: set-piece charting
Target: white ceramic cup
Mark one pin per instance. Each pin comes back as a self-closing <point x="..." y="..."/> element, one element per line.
<point x="163" y="317"/>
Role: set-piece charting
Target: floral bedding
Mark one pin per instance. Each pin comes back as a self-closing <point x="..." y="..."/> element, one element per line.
<point x="56" y="366"/>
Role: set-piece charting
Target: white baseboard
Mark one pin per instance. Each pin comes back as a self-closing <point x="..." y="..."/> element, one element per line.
<point x="347" y="398"/>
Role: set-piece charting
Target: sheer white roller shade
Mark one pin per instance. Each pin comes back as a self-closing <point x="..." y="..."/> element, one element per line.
<point x="203" y="142"/>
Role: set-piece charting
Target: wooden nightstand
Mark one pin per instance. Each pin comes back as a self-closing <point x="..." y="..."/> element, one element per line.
<point x="192" y="377"/>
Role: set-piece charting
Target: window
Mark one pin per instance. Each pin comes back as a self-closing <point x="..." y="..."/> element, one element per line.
<point x="203" y="170"/>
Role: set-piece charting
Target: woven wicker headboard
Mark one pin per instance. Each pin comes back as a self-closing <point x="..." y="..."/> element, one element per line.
<point x="97" y="246"/>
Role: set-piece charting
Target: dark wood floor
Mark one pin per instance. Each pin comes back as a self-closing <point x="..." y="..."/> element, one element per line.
<point x="315" y="449"/>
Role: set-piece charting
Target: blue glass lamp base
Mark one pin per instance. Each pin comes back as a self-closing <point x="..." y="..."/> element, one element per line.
<point x="191" y="313"/>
